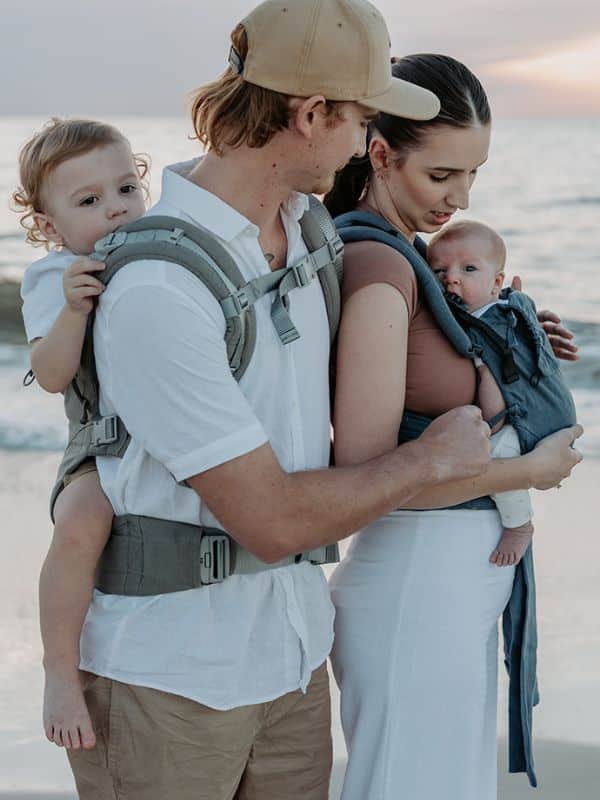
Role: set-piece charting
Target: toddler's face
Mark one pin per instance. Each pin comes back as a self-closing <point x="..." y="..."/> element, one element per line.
<point x="91" y="195"/>
<point x="468" y="268"/>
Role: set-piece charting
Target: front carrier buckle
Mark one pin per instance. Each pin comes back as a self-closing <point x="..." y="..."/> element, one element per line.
<point x="215" y="558"/>
<point x="105" y="431"/>
<point x="336" y="248"/>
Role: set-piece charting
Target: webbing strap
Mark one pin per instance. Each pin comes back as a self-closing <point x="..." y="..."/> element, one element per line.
<point x="149" y="556"/>
<point x="283" y="281"/>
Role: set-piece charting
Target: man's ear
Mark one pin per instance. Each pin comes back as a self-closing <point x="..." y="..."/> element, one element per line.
<point x="45" y="226"/>
<point x="307" y="114"/>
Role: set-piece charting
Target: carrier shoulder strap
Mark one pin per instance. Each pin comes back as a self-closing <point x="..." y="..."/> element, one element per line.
<point x="358" y="226"/>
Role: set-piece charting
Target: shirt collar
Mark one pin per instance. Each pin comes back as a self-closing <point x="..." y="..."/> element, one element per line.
<point x="209" y="210"/>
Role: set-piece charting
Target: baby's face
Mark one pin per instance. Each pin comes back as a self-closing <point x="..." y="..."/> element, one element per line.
<point x="91" y="195"/>
<point x="468" y="268"/>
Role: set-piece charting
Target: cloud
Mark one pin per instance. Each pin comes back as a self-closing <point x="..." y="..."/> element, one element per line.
<point x="142" y="56"/>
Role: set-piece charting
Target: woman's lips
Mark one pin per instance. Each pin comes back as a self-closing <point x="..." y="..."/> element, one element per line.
<point x="441" y="217"/>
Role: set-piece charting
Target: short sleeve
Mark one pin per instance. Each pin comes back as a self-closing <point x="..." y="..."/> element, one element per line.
<point x="167" y="375"/>
<point x="370" y="262"/>
<point x="42" y="293"/>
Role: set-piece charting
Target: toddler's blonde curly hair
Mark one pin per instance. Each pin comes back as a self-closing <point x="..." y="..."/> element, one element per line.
<point x="58" y="141"/>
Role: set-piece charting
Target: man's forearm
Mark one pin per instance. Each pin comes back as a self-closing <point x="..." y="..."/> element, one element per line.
<point x="306" y="510"/>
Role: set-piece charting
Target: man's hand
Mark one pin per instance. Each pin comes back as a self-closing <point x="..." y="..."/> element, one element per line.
<point x="561" y="338"/>
<point x="554" y="457"/>
<point x="460" y="440"/>
<point x="80" y="287"/>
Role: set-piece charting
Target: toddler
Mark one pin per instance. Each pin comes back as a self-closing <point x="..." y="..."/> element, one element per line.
<point x="79" y="182"/>
<point x="469" y="259"/>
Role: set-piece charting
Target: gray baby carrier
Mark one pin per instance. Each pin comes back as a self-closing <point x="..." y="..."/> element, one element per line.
<point x="509" y="340"/>
<point x="148" y="556"/>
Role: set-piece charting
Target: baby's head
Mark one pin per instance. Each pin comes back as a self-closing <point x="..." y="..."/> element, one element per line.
<point x="79" y="181"/>
<point x="469" y="258"/>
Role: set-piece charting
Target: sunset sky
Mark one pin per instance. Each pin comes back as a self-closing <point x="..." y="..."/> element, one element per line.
<point x="535" y="57"/>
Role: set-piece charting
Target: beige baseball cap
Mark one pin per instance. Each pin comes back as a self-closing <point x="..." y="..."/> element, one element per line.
<point x="337" y="48"/>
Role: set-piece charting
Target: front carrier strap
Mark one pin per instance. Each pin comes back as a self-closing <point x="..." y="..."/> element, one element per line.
<point x="150" y="556"/>
<point x="358" y="226"/>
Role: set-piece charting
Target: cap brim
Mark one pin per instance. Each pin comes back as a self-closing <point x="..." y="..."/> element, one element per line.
<point x="404" y="99"/>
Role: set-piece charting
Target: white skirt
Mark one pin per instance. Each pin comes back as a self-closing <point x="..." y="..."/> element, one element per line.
<point x="415" y="656"/>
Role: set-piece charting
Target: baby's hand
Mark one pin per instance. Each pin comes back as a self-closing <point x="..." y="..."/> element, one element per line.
<point x="80" y="287"/>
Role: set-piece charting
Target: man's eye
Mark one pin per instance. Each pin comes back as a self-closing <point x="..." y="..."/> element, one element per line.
<point x="439" y="178"/>
<point x="88" y="201"/>
<point x="128" y="188"/>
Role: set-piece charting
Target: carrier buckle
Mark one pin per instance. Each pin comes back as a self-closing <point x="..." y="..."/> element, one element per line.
<point x="110" y="242"/>
<point x="336" y="248"/>
<point x="301" y="274"/>
<point x="215" y="560"/>
<point x="105" y="431"/>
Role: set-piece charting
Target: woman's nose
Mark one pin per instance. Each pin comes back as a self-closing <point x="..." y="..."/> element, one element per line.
<point x="459" y="196"/>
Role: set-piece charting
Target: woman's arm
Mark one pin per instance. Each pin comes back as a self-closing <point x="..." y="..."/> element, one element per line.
<point x="369" y="403"/>
<point x="371" y="374"/>
<point x="543" y="468"/>
<point x="55" y="358"/>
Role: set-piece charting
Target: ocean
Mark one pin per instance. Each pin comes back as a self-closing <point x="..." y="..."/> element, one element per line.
<point x="539" y="189"/>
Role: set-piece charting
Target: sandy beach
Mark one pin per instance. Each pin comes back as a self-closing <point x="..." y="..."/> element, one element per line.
<point x="568" y="566"/>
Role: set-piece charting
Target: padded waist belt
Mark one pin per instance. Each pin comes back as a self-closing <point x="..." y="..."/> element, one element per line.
<point x="149" y="556"/>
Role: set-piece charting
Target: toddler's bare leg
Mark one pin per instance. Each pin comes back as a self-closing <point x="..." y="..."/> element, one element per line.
<point x="512" y="545"/>
<point x="83" y="520"/>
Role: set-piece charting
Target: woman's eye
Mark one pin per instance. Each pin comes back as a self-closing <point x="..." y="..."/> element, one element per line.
<point x="128" y="188"/>
<point x="88" y="201"/>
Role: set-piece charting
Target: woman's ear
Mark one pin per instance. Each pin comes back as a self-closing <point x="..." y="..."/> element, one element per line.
<point x="378" y="153"/>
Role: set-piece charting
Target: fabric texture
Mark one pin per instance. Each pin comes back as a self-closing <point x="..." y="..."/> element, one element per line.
<point x="415" y="655"/>
<point x="437" y="378"/>
<point x="163" y="369"/>
<point x="153" y="745"/>
<point x="42" y="292"/>
<point x="514" y="507"/>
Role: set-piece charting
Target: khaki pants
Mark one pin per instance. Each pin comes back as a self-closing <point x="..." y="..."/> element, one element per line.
<point x="152" y="745"/>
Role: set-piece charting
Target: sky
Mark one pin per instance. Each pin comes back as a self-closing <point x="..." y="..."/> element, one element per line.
<point x="68" y="57"/>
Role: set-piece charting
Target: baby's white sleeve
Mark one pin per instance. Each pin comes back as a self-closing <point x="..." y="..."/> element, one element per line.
<point x="514" y="507"/>
<point x="42" y="292"/>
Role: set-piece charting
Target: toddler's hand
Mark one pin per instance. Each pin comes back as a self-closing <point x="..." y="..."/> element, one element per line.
<point x="80" y="286"/>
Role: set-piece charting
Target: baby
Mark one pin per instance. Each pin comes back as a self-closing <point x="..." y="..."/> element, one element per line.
<point x="79" y="181"/>
<point x="469" y="259"/>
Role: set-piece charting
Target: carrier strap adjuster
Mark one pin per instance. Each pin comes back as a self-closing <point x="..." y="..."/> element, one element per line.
<point x="215" y="558"/>
<point x="104" y="431"/>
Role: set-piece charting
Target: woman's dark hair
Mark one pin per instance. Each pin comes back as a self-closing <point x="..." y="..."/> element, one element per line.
<point x="463" y="103"/>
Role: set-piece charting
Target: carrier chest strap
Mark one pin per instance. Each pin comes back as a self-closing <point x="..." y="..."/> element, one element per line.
<point x="281" y="281"/>
<point x="149" y="556"/>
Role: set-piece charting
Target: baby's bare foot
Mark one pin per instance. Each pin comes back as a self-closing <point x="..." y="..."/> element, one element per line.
<point x="512" y="546"/>
<point x="67" y="722"/>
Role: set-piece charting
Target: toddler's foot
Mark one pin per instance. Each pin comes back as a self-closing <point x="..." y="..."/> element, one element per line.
<point x="512" y="546"/>
<point x="67" y="722"/>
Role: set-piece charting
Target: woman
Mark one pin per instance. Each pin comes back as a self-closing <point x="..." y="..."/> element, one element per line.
<point x="417" y="601"/>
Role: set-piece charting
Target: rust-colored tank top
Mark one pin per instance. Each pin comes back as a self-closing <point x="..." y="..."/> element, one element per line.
<point x="437" y="378"/>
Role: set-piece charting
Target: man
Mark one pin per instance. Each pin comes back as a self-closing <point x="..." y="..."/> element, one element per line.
<point x="221" y="691"/>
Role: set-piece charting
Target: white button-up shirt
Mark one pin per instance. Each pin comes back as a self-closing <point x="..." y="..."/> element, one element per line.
<point x="163" y="369"/>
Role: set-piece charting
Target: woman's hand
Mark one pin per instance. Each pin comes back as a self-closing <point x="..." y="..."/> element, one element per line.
<point x="80" y="287"/>
<point x="561" y="338"/>
<point x="554" y="457"/>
